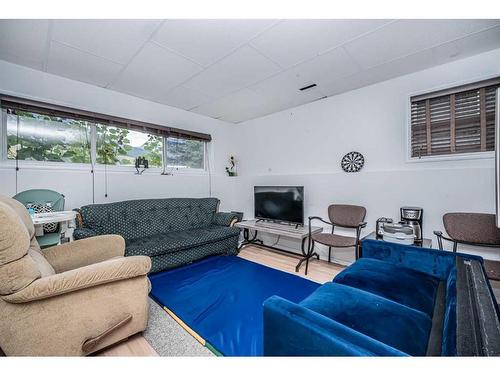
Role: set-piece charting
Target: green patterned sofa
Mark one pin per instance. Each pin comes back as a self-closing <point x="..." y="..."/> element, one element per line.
<point x="172" y="231"/>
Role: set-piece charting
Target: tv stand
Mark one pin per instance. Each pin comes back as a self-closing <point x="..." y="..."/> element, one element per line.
<point x="299" y="232"/>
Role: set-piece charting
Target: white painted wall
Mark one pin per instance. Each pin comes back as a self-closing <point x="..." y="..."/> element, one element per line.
<point x="304" y="146"/>
<point x="75" y="183"/>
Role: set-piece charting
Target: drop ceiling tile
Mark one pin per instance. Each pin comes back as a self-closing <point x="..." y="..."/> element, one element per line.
<point x="405" y="37"/>
<point x="205" y="41"/>
<point x="328" y="67"/>
<point x="185" y="98"/>
<point x="282" y="91"/>
<point x="114" y="39"/>
<point x="72" y="63"/>
<point x="241" y="68"/>
<point x="237" y="107"/>
<point x="24" y="42"/>
<point x="154" y="72"/>
<point x="292" y="41"/>
<point x="471" y="45"/>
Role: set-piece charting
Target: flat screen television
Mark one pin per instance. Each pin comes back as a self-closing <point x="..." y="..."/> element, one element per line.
<point x="279" y="203"/>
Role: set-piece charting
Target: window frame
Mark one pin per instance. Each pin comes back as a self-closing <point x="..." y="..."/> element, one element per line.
<point x="478" y="155"/>
<point x="6" y="163"/>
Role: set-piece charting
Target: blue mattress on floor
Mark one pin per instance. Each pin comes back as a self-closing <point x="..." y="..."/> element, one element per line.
<point x="220" y="298"/>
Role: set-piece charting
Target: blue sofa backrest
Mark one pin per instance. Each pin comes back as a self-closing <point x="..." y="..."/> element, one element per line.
<point x="147" y="217"/>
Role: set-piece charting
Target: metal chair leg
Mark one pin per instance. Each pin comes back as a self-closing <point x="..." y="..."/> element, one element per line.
<point x="329" y="253"/>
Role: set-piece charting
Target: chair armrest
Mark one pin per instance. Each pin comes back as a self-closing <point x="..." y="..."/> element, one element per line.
<point x="84" y="252"/>
<point x="311" y="218"/>
<point x="82" y="278"/>
<point x="293" y="330"/>
<point x="225" y="219"/>
<point x="80" y="233"/>
<point x="362" y="224"/>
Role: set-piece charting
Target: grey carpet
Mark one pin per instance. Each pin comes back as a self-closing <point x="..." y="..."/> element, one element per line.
<point x="168" y="338"/>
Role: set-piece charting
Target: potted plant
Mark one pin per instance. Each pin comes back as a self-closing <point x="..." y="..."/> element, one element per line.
<point x="231" y="169"/>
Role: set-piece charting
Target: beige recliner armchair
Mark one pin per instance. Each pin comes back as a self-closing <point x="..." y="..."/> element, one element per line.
<point x="71" y="299"/>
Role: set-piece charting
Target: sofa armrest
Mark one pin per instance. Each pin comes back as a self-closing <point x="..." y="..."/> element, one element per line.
<point x="82" y="278"/>
<point x="225" y="219"/>
<point x="84" y="252"/>
<point x="293" y="330"/>
<point x="80" y="233"/>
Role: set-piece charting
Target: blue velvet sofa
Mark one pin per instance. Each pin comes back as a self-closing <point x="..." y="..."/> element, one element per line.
<point x="396" y="300"/>
<point x="171" y="231"/>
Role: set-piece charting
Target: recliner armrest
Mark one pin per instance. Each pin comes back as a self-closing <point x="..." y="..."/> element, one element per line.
<point x="84" y="252"/>
<point x="293" y="330"/>
<point x="82" y="278"/>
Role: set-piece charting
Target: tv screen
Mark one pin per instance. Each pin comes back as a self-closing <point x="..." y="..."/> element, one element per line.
<point x="279" y="203"/>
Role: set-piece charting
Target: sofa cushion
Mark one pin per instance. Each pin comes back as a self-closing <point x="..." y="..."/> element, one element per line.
<point x="391" y="323"/>
<point x="171" y="242"/>
<point x="402" y="285"/>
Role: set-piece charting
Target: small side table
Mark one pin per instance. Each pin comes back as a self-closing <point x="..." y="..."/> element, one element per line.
<point x="62" y="217"/>
<point x="426" y="242"/>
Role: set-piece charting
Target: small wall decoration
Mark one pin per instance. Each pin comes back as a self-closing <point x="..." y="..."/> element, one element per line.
<point x="352" y="162"/>
<point x="231" y="169"/>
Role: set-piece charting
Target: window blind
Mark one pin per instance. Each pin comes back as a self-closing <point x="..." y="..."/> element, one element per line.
<point x="454" y="121"/>
<point x="15" y="104"/>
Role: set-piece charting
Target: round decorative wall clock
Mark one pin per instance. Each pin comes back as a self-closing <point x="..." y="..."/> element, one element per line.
<point x="352" y="162"/>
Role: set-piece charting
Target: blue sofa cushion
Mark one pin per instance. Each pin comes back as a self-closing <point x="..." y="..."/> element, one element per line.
<point x="402" y="285"/>
<point x="171" y="242"/>
<point x="293" y="330"/>
<point x="391" y="323"/>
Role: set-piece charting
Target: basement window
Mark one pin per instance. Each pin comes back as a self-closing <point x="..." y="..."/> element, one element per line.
<point x="120" y="146"/>
<point x="455" y="121"/>
<point x="185" y="153"/>
<point x="41" y="138"/>
<point x="36" y="132"/>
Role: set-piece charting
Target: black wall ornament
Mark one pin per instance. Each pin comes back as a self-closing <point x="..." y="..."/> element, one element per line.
<point x="352" y="162"/>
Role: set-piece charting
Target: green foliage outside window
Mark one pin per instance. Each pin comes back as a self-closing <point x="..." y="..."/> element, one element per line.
<point x="46" y="138"/>
<point x="185" y="153"/>
<point x="118" y="146"/>
<point x="53" y="139"/>
<point x="153" y="148"/>
<point x="111" y="144"/>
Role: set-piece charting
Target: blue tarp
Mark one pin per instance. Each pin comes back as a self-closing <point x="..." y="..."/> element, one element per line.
<point x="220" y="298"/>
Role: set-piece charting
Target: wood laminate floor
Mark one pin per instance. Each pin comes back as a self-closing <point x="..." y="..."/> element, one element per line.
<point x="319" y="271"/>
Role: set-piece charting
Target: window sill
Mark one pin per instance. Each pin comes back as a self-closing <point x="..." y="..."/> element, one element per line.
<point x="51" y="166"/>
<point x="453" y="157"/>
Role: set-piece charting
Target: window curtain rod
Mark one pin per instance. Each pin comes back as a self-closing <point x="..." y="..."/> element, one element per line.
<point x="14" y="104"/>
